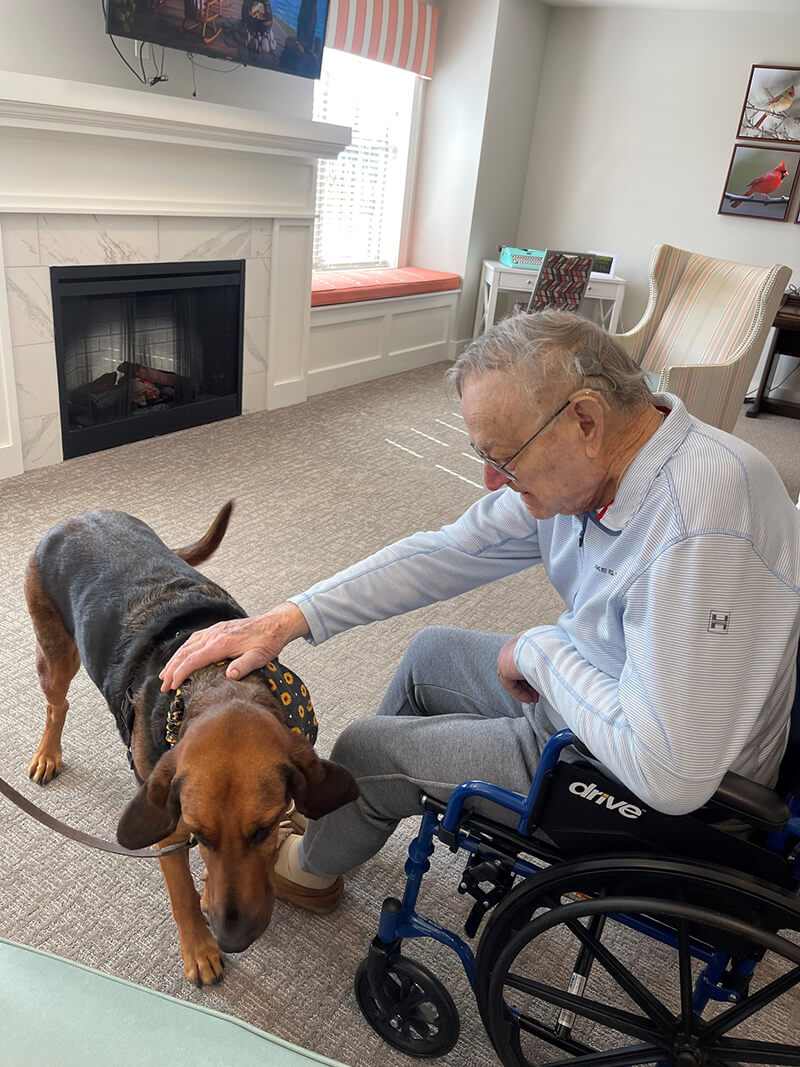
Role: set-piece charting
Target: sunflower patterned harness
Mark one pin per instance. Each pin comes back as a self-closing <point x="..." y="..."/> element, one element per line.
<point x="298" y="711"/>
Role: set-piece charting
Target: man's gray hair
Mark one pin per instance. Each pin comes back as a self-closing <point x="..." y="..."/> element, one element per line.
<point x="551" y="349"/>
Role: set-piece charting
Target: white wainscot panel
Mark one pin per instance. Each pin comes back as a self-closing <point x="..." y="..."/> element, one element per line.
<point x="337" y="346"/>
<point x="420" y="328"/>
<point x="352" y="343"/>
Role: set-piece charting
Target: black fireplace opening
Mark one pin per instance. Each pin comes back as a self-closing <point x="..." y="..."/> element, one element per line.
<point x="146" y="349"/>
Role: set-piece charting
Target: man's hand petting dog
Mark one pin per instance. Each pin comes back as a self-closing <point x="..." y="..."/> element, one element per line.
<point x="247" y="643"/>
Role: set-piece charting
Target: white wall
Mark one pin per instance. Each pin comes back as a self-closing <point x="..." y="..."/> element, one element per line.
<point x="66" y="39"/>
<point x="478" y="117"/>
<point x="515" y="76"/>
<point x="452" y="133"/>
<point x="635" y="125"/>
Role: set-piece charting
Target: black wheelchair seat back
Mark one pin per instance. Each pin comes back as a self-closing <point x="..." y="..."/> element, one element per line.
<point x="583" y="813"/>
<point x="789" y="777"/>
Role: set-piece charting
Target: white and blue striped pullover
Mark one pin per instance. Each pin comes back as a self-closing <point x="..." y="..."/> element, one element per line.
<point x="674" y="660"/>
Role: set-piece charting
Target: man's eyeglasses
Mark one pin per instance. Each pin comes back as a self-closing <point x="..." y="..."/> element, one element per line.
<point x="502" y="468"/>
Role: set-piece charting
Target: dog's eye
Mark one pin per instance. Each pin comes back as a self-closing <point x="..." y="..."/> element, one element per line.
<point x="259" y="835"/>
<point x="201" y="840"/>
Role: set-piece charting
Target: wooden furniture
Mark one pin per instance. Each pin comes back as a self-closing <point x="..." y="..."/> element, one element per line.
<point x="786" y="342"/>
<point x="204" y="13"/>
<point x="496" y="278"/>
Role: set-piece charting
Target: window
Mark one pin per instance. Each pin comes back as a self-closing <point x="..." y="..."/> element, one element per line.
<point x="361" y="194"/>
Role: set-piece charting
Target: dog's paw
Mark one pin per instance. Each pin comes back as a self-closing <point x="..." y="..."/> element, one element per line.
<point x="45" y="765"/>
<point x="205" y="964"/>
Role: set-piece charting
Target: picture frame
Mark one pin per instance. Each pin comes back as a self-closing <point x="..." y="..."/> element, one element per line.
<point x="755" y="174"/>
<point x="771" y="108"/>
<point x="605" y="264"/>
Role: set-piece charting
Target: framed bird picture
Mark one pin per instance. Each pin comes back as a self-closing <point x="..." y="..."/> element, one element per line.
<point x="760" y="183"/>
<point x="771" y="109"/>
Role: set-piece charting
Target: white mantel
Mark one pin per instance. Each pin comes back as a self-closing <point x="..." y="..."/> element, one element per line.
<point x="92" y="174"/>
<point x="47" y="121"/>
<point x="31" y="101"/>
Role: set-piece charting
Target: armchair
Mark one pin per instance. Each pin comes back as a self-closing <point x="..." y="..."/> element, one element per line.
<point x="704" y="328"/>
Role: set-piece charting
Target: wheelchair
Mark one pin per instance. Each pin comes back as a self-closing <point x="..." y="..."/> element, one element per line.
<point x="581" y="875"/>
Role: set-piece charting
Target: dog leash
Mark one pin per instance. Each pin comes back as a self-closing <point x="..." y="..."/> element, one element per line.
<point x="89" y="840"/>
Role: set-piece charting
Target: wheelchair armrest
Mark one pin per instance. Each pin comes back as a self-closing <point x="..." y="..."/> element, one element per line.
<point x="737" y="797"/>
<point x="755" y="804"/>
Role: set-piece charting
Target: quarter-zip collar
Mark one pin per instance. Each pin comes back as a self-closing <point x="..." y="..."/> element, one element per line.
<point x="643" y="470"/>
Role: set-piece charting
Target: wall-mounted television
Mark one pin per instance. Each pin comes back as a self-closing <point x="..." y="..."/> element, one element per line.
<point x="283" y="35"/>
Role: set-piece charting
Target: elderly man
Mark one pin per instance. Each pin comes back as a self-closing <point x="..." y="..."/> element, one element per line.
<point x="676" y="550"/>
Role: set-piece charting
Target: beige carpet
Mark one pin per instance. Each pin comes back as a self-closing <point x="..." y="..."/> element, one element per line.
<point x="316" y="487"/>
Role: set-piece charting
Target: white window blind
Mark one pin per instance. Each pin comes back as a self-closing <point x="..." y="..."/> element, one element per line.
<point x="359" y="210"/>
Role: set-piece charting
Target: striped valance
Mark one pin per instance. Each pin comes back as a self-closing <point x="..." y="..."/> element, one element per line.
<point x="399" y="32"/>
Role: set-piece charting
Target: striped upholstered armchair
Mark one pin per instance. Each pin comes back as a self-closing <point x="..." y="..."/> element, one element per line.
<point x="704" y="329"/>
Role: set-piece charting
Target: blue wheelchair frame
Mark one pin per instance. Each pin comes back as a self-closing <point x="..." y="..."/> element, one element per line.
<point x="399" y="919"/>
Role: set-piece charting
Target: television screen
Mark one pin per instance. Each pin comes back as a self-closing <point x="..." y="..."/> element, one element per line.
<point x="283" y="35"/>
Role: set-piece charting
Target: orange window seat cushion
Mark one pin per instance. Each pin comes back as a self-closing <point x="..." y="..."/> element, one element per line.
<point x="349" y="286"/>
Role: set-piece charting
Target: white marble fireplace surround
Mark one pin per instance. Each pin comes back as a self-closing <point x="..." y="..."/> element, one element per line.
<point x="96" y="175"/>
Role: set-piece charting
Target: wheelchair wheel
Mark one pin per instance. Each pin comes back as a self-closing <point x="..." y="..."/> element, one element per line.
<point x="558" y="968"/>
<point x="424" y="1020"/>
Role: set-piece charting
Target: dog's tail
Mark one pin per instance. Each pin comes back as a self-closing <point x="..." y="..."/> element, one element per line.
<point x="210" y="541"/>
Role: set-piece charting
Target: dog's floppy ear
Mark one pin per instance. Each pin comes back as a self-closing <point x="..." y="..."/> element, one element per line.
<point x="153" y="813"/>
<point x="318" y="785"/>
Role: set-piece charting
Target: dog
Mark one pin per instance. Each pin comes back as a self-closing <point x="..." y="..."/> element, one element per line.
<point x="217" y="759"/>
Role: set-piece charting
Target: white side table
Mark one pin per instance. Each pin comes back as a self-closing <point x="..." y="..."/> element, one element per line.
<point x="496" y="277"/>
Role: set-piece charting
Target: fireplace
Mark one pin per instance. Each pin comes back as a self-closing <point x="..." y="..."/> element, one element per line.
<point x="146" y="349"/>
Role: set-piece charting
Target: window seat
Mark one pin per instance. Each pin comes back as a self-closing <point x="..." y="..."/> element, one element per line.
<point x="369" y="323"/>
<point x="349" y="287"/>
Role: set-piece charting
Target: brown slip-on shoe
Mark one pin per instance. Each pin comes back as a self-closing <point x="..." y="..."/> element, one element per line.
<point x="320" y="901"/>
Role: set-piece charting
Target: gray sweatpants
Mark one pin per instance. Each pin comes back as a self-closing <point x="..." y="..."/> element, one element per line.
<point x="445" y="718"/>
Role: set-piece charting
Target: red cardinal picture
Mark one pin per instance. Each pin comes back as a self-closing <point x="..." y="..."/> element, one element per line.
<point x="749" y="192"/>
<point x="765" y="183"/>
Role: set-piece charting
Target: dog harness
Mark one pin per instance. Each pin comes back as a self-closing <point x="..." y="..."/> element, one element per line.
<point x="298" y="711"/>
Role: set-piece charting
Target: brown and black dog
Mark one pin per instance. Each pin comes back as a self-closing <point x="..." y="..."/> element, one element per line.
<point x="104" y="590"/>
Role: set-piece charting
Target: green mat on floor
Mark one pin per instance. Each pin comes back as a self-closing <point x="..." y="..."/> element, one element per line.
<point x="56" y="1013"/>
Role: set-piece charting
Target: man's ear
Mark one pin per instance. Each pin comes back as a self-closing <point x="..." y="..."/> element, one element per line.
<point x="318" y="786"/>
<point x="154" y="812"/>
<point x="591" y="415"/>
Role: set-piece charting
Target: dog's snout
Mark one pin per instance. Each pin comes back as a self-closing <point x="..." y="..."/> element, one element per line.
<point x="239" y="935"/>
<point x="236" y="930"/>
